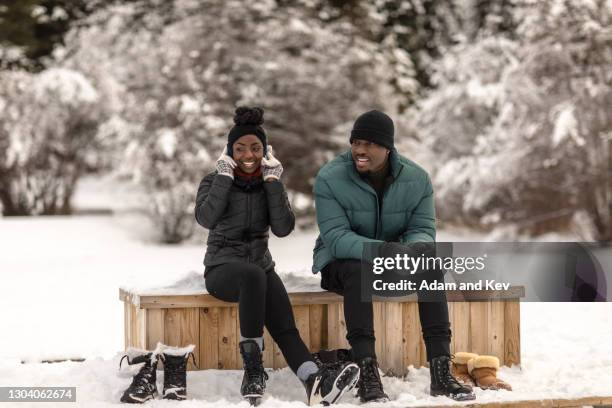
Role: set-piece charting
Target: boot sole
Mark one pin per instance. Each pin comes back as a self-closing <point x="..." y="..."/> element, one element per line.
<point x="137" y="400"/>
<point x="346" y="381"/>
<point x="456" y="397"/>
<point x="253" y="399"/>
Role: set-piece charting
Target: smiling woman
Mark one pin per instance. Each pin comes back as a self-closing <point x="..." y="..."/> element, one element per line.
<point x="239" y="203"/>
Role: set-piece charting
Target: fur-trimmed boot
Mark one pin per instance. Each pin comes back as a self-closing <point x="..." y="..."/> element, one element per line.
<point x="483" y="370"/>
<point x="459" y="367"/>
<point x="175" y="371"/>
<point x="143" y="386"/>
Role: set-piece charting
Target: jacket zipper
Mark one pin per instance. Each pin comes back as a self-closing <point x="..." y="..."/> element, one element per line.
<point x="380" y="210"/>
<point x="248" y="224"/>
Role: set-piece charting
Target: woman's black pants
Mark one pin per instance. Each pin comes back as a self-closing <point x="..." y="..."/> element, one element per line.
<point x="262" y="300"/>
<point x="343" y="276"/>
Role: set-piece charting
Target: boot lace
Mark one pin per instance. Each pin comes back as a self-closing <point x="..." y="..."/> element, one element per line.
<point x="142" y="380"/>
<point x="370" y="377"/>
<point x="255" y="371"/>
<point x="443" y="372"/>
<point x="175" y="370"/>
<point x="253" y="368"/>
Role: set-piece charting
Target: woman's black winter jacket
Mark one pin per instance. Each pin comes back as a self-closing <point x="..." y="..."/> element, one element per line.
<point x="238" y="214"/>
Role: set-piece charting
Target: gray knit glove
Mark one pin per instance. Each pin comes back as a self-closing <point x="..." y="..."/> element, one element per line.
<point x="271" y="167"/>
<point x="225" y="165"/>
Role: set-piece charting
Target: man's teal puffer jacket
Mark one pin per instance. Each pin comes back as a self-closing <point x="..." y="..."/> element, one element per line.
<point x="348" y="213"/>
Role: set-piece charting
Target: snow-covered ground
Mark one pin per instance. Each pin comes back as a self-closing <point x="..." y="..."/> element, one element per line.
<point x="59" y="299"/>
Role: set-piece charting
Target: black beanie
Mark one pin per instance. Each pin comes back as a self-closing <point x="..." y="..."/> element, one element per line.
<point x="247" y="121"/>
<point x="374" y="126"/>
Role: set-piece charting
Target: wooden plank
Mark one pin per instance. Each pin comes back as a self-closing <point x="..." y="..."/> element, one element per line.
<point x="134" y="325"/>
<point x="304" y="298"/>
<point x="343" y="331"/>
<point x="317" y="316"/>
<point x="155" y="327"/>
<point x="411" y="335"/>
<point x="496" y="327"/>
<point x="479" y="338"/>
<point x="393" y="359"/>
<point x="141" y="319"/>
<point x="333" y="327"/>
<point x="461" y="326"/>
<point x="378" y="311"/>
<point x="512" y="332"/>
<point x="422" y="348"/>
<point x="228" y="338"/>
<point x="209" y="337"/>
<point x="268" y="352"/>
<point x="182" y="328"/>
<point x="336" y="327"/>
<point x="302" y="322"/>
<point x="126" y="325"/>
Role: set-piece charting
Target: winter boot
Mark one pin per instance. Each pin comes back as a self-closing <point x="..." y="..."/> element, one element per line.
<point x="370" y="385"/>
<point x="334" y="359"/>
<point x="254" y="379"/>
<point x="484" y="371"/>
<point x="460" y="368"/>
<point x="175" y="371"/>
<point x="444" y="383"/>
<point x="327" y="385"/>
<point x="143" y="387"/>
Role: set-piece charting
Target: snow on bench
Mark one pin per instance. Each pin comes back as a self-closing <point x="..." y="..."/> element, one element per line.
<point x="484" y="322"/>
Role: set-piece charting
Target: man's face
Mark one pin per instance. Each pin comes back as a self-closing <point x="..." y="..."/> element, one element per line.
<point x="368" y="156"/>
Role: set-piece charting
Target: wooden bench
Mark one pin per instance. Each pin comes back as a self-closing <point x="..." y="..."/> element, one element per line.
<point x="484" y="322"/>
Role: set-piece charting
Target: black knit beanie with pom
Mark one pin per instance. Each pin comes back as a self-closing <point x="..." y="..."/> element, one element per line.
<point x="247" y="121"/>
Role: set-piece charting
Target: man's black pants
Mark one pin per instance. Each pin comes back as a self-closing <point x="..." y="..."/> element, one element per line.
<point x="343" y="276"/>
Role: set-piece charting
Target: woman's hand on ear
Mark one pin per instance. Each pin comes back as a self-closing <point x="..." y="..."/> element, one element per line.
<point x="271" y="166"/>
<point x="225" y="165"/>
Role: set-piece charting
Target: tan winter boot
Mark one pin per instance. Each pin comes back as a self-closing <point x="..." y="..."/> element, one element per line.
<point x="483" y="370"/>
<point x="460" y="368"/>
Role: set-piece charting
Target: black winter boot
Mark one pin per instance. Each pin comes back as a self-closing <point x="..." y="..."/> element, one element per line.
<point x="327" y="385"/>
<point x="175" y="371"/>
<point x="143" y="387"/>
<point x="254" y="379"/>
<point x="370" y="384"/>
<point x="444" y="383"/>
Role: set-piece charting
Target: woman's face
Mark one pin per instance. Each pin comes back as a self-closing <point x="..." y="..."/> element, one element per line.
<point x="247" y="153"/>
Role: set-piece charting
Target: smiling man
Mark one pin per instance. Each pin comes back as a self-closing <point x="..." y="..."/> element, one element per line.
<point x="373" y="194"/>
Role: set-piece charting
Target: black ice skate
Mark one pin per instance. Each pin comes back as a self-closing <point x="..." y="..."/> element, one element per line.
<point x="175" y="371"/>
<point x="370" y="387"/>
<point x="327" y="386"/>
<point x="444" y="383"/>
<point x="254" y="379"/>
<point x="143" y="387"/>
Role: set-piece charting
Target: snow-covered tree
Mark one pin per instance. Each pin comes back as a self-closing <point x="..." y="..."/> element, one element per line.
<point x="525" y="124"/>
<point x="178" y="70"/>
<point x="48" y="128"/>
